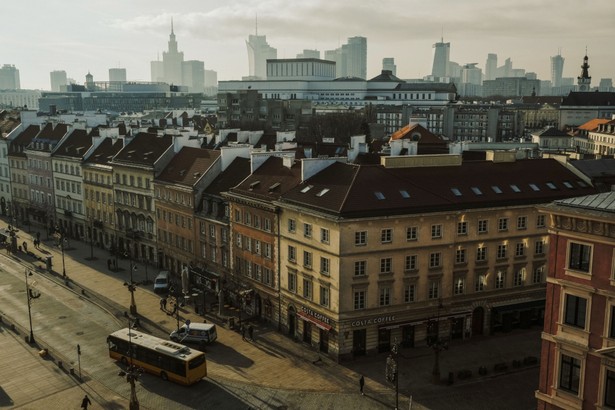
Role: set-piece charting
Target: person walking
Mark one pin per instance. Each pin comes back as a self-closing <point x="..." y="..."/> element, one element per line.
<point x="85" y="402"/>
<point x="251" y="332"/>
<point x="361" y="384"/>
<point x="243" y="332"/>
<point x="161" y="303"/>
<point x="164" y="304"/>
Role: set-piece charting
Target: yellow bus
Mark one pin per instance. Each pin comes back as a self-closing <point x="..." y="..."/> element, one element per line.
<point x="169" y="360"/>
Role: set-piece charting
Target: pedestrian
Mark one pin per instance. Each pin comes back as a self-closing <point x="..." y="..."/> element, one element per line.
<point x="361" y="384"/>
<point x="243" y="332"/>
<point x="251" y="332"/>
<point x="109" y="264"/>
<point x="85" y="402"/>
<point x="164" y="304"/>
<point x="161" y="303"/>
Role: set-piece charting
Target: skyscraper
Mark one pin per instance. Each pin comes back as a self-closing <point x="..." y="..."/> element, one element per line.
<point x="58" y="80"/>
<point x="491" y="66"/>
<point x="388" y="63"/>
<point x="441" y="58"/>
<point x="9" y="77"/>
<point x="172" y="61"/>
<point x="258" y="54"/>
<point x="350" y="59"/>
<point x="557" y="70"/>
<point x="309" y="54"/>
<point x="117" y="75"/>
<point x="193" y="76"/>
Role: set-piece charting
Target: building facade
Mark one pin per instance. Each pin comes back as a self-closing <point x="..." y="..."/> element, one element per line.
<point x="577" y="368"/>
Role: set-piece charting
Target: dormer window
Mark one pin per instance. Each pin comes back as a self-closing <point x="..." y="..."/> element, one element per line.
<point x="456" y="191"/>
<point x="307" y="188"/>
<point x="379" y="195"/>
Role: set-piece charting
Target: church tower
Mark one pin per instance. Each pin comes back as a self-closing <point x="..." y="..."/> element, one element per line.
<point x="584" y="80"/>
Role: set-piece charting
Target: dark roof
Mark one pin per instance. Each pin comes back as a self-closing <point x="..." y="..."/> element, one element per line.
<point x="188" y="165"/>
<point x="442" y="87"/>
<point x="144" y="149"/>
<point x="75" y="145"/>
<point x="542" y="99"/>
<point x="595" y="167"/>
<point x="387" y="75"/>
<point x="106" y="150"/>
<point x="552" y="132"/>
<point x="236" y="172"/>
<point x="270" y="180"/>
<point x="363" y="190"/>
<point x="21" y="141"/>
<point x="589" y="98"/>
<point x="52" y="132"/>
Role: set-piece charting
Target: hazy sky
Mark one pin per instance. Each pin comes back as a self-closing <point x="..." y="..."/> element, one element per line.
<point x="39" y="36"/>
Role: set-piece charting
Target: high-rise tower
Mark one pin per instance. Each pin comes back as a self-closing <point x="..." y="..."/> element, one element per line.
<point x="441" y="56"/>
<point x="388" y="63"/>
<point x="557" y="70"/>
<point x="172" y="61"/>
<point x="350" y="59"/>
<point x="491" y="66"/>
<point x="258" y="54"/>
<point x="584" y="80"/>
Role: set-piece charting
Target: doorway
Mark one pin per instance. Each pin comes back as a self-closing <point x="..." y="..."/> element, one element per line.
<point x="359" y="338"/>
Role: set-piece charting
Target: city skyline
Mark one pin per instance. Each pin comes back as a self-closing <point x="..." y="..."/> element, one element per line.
<point x="95" y="36"/>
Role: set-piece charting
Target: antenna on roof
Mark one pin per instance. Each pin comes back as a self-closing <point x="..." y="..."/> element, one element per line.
<point x="171" y="25"/>
<point x="256" y="22"/>
<point x="442" y="40"/>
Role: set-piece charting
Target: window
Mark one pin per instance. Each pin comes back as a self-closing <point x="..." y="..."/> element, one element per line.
<point x="292" y="226"/>
<point x="612" y="327"/>
<point x="307" y="230"/>
<point x="385" y="296"/>
<point x="307" y="288"/>
<point x="540" y="221"/>
<point x="609" y="389"/>
<point x="434" y="290"/>
<point x="360" y="268"/>
<point x="307" y="259"/>
<point x="292" y="281"/>
<point x="324" y="266"/>
<point x="522" y="222"/>
<point x="539" y="248"/>
<point x="569" y="373"/>
<point x="411" y="233"/>
<point x="481" y="254"/>
<point x="385" y="265"/>
<point x="579" y="257"/>
<point x="267" y="224"/>
<point x="359" y="299"/>
<point x="292" y="253"/>
<point x="458" y="285"/>
<point x="500" y="279"/>
<point x="410" y="262"/>
<point x="481" y="281"/>
<point x="482" y="226"/>
<point x="267" y="250"/>
<point x="386" y="235"/>
<point x="462" y="228"/>
<point x="324" y="296"/>
<point x="435" y="259"/>
<point x="409" y="293"/>
<point x="501" y="253"/>
<point x="324" y="235"/>
<point x="574" y="311"/>
<point x="460" y="256"/>
<point x="537" y="276"/>
<point x="436" y="231"/>
<point x="519" y="277"/>
<point x="503" y="224"/>
<point x="520" y="249"/>
<point x="360" y="238"/>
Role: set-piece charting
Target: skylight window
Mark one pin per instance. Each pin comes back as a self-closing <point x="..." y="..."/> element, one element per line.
<point x="568" y="185"/>
<point x="322" y="192"/>
<point x="515" y="188"/>
<point x="582" y="184"/>
<point x="379" y="195"/>
<point x="456" y="191"/>
<point x="476" y="190"/>
<point x="274" y="186"/>
<point x="496" y="189"/>
<point x="307" y="188"/>
<point x="551" y="185"/>
<point x="404" y="193"/>
<point x="534" y="187"/>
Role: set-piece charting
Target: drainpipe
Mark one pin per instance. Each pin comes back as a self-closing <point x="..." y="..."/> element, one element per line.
<point x="279" y="272"/>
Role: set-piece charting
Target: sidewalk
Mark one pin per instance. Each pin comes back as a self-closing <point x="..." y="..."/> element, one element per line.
<point x="273" y="360"/>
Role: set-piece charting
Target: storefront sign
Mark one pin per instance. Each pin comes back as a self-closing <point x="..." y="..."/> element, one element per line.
<point x="375" y="321"/>
<point x="317" y="315"/>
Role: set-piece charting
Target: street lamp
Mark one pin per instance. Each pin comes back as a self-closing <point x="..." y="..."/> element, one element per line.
<point x="132" y="286"/>
<point x="392" y="370"/>
<point x="132" y="373"/>
<point x="30" y="294"/>
<point x="436" y="343"/>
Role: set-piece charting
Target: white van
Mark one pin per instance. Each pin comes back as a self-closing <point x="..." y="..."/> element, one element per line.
<point x="162" y="282"/>
<point x="195" y="333"/>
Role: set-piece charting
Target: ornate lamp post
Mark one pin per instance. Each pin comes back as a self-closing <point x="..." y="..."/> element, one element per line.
<point x="132" y="374"/>
<point x="392" y="370"/>
<point x="30" y="295"/>
<point x="436" y="343"/>
<point x="132" y="286"/>
<point x="62" y="242"/>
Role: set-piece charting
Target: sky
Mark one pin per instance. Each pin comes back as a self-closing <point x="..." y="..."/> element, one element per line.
<point x="77" y="36"/>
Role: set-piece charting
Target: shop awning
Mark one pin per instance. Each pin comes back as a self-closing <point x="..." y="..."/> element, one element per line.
<point x="425" y="320"/>
<point x="320" y="324"/>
